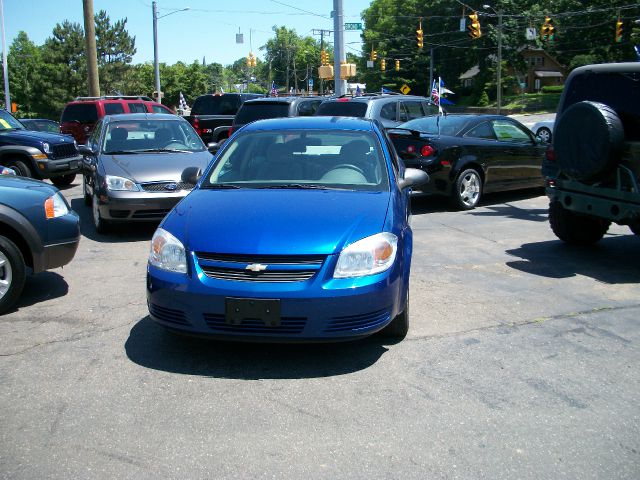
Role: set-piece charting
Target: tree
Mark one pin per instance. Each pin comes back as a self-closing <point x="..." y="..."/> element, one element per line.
<point x="25" y="75"/>
<point x="116" y="49"/>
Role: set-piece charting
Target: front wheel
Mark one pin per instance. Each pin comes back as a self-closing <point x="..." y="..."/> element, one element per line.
<point x="467" y="190"/>
<point x="399" y="326"/>
<point x="575" y="228"/>
<point x="12" y="274"/>
<point x="64" y="180"/>
<point x="100" y="224"/>
<point x="22" y="168"/>
<point x="85" y="192"/>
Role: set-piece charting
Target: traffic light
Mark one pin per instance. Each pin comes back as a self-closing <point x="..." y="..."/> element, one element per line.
<point x="420" y="36"/>
<point x="547" y="31"/>
<point x="251" y="60"/>
<point x="397" y="65"/>
<point x="474" y="28"/>
<point x="374" y="55"/>
<point x="618" y="31"/>
<point x="324" y="57"/>
<point x="383" y="65"/>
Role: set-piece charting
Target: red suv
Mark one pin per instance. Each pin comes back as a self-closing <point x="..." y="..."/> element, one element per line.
<point x="80" y="116"/>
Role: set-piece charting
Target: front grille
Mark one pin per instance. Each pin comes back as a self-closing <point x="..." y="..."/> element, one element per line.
<point x="168" y="315"/>
<point x="64" y="150"/>
<point x="358" y="322"/>
<point x="276" y="268"/>
<point x="162" y="186"/>
<point x="150" y="214"/>
<point x="288" y="325"/>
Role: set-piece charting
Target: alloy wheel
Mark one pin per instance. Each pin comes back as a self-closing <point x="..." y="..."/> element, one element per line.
<point x="470" y="189"/>
<point x="6" y="275"/>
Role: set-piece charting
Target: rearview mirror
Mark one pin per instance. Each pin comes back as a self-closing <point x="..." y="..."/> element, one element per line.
<point x="413" y="177"/>
<point x="191" y="175"/>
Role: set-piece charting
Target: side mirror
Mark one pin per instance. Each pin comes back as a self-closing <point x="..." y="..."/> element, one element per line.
<point x="413" y="177"/>
<point x="214" y="147"/>
<point x="191" y="175"/>
<point x="85" y="150"/>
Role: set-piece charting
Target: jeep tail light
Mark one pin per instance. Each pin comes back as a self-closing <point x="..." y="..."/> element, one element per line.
<point x="550" y="154"/>
<point x="427" y="151"/>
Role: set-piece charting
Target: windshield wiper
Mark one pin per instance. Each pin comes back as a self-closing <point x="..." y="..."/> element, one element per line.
<point x="155" y="150"/>
<point x="302" y="186"/>
<point x="220" y="186"/>
<point x="120" y="152"/>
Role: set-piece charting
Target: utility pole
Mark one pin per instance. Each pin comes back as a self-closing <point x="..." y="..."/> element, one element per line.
<point x="7" y="97"/>
<point x="156" y="64"/>
<point x="339" y="56"/>
<point x="90" y="48"/>
<point x="322" y="34"/>
<point x="430" y="72"/>
<point x="499" y="73"/>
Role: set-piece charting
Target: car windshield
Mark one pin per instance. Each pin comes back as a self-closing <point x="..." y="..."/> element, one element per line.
<point x="301" y="159"/>
<point x="437" y="124"/>
<point x="132" y="136"/>
<point x="7" y="122"/>
<point x="342" y="108"/>
<point x="260" y="110"/>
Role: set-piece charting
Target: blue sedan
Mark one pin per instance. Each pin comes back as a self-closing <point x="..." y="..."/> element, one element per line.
<point x="298" y="231"/>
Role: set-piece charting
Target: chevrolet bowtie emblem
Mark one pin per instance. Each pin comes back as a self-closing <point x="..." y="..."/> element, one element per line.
<point x="256" y="267"/>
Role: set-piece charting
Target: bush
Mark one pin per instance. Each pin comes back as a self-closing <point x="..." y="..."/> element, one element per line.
<point x="552" y="88"/>
<point x="483" y="101"/>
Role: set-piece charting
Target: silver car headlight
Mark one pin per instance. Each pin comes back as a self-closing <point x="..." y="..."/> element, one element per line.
<point x="167" y="252"/>
<point x="121" y="184"/>
<point x="368" y="256"/>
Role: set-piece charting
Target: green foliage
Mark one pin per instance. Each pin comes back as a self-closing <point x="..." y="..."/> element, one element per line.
<point x="483" y="101"/>
<point x="552" y="89"/>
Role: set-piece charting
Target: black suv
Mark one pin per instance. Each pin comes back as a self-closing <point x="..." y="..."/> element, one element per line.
<point x="390" y="109"/>
<point x="275" y="107"/>
<point x="593" y="169"/>
<point x="38" y="154"/>
<point x="212" y="114"/>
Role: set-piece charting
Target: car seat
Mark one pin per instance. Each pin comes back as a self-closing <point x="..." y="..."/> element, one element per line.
<point x="118" y="140"/>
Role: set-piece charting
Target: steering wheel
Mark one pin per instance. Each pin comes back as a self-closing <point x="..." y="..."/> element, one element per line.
<point x="350" y="167"/>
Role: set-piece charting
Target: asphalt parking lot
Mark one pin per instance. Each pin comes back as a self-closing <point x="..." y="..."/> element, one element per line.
<point x="521" y="362"/>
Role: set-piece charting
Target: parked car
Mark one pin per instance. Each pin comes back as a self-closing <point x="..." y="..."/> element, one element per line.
<point x="298" y="231"/>
<point x="133" y="166"/>
<point x="544" y="130"/>
<point x="41" y="124"/>
<point x="38" y="231"/>
<point x="390" y="109"/>
<point x="80" y="116"/>
<point x="592" y="169"/>
<point x="274" y="107"/>
<point x="37" y="154"/>
<point x="468" y="155"/>
<point x="212" y="114"/>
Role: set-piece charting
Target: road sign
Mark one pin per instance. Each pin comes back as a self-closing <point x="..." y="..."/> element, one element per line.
<point x="405" y="89"/>
<point x="310" y="82"/>
<point x="353" y="26"/>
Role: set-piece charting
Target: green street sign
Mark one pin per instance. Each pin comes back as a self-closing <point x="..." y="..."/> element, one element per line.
<point x="353" y="26"/>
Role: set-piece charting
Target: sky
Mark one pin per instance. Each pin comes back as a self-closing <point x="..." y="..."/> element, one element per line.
<point x="207" y="30"/>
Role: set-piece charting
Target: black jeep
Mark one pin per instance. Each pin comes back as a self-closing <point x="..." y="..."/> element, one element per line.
<point x="38" y="154"/>
<point x="593" y="169"/>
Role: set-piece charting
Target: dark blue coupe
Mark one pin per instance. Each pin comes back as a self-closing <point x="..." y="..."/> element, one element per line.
<point x="298" y="231"/>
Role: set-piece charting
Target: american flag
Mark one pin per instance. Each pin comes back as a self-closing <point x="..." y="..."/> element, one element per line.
<point x="435" y="93"/>
<point x="183" y="103"/>
<point x="274" y="90"/>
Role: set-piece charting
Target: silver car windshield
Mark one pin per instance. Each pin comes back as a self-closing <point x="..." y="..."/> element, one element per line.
<point x="136" y="136"/>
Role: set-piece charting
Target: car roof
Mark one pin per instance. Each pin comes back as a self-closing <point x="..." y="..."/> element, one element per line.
<point x="311" y="123"/>
<point x="140" y="116"/>
<point x="288" y="100"/>
<point x="370" y="98"/>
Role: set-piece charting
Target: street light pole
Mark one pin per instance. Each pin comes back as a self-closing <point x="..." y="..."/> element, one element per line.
<point x="156" y="63"/>
<point x="499" y="66"/>
<point x="7" y="97"/>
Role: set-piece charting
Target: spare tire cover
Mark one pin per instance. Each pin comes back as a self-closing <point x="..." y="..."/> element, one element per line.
<point x="588" y="140"/>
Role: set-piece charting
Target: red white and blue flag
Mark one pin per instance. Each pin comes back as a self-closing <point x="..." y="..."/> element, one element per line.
<point x="435" y="93"/>
<point x="274" y="90"/>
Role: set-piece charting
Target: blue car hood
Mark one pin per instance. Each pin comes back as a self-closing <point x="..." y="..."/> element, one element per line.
<point x="276" y="221"/>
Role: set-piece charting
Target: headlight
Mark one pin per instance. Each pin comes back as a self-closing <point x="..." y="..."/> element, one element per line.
<point x="55" y="206"/>
<point x="122" y="184"/>
<point x="167" y="252"/>
<point x="370" y="255"/>
<point x="46" y="147"/>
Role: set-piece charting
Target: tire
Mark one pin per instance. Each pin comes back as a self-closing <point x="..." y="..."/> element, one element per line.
<point x="399" y="326"/>
<point x="22" y="168"/>
<point x="12" y="274"/>
<point x="589" y="137"/>
<point x="86" y="195"/>
<point x="64" y="180"/>
<point x="100" y="224"/>
<point x="467" y="190"/>
<point x="545" y="134"/>
<point x="574" y="228"/>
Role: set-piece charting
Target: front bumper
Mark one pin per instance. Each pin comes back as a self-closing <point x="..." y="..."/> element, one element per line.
<point x="320" y="309"/>
<point x="62" y="240"/>
<point x="138" y="206"/>
<point x="48" y="168"/>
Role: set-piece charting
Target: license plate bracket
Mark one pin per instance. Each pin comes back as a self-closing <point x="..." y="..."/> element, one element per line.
<point x="239" y="309"/>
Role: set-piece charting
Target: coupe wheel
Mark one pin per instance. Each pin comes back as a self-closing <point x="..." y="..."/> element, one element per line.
<point x="399" y="326"/>
<point x="99" y="223"/>
<point x="64" y="180"/>
<point x="545" y="134"/>
<point x="12" y="273"/>
<point x="467" y="189"/>
<point x="85" y="192"/>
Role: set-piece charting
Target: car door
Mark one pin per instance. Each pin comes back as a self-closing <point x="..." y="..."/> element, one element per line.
<point x="520" y="154"/>
<point x="389" y="114"/>
<point x="481" y="143"/>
